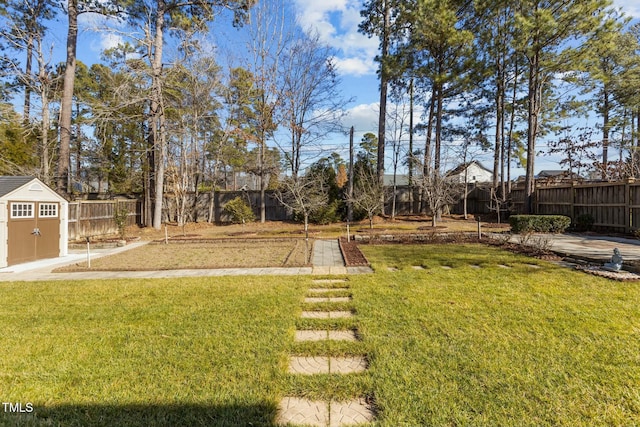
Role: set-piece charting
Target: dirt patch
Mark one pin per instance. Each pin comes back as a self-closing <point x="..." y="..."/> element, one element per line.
<point x="198" y="254"/>
<point x="351" y="253"/>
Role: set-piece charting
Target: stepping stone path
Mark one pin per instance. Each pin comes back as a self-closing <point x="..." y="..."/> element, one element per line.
<point x="293" y="410"/>
<point x="327" y="299"/>
<point x="326" y="314"/>
<point x="325" y="335"/>
<point x="299" y="411"/>
<point x="325" y="290"/>
<point x="326" y="365"/>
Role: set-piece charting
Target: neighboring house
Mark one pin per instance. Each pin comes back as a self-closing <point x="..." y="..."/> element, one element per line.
<point x="401" y="180"/>
<point x="556" y="176"/>
<point x="33" y="221"/>
<point x="475" y="173"/>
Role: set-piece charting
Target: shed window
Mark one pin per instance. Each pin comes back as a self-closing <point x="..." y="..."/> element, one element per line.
<point x="21" y="210"/>
<point x="48" y="210"/>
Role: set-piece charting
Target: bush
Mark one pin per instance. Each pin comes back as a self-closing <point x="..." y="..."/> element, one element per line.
<point x="120" y="215"/>
<point x="326" y="215"/>
<point x="239" y="211"/>
<point x="539" y="223"/>
<point x="584" y="222"/>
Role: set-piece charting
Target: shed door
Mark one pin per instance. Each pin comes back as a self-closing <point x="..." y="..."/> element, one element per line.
<point x="33" y="231"/>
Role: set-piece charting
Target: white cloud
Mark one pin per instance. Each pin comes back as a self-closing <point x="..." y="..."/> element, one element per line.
<point x="336" y="22"/>
<point x="364" y="118"/>
<point x="630" y="7"/>
<point x="110" y="40"/>
<point x="354" y="66"/>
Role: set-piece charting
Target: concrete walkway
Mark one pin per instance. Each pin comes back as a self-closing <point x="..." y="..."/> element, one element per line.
<point x="594" y="248"/>
<point x="327" y="260"/>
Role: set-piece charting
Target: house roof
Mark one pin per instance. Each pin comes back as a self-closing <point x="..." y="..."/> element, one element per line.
<point x="464" y="166"/>
<point x="551" y="172"/>
<point x="10" y="183"/>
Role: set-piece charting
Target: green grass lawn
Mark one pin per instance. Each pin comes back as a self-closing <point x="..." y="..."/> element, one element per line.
<point x="460" y="346"/>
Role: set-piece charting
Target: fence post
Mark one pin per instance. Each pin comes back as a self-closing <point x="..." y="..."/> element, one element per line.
<point x="627" y="205"/>
<point x="573" y="200"/>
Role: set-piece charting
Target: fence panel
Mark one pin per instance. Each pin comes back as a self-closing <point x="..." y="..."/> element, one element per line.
<point x="91" y="218"/>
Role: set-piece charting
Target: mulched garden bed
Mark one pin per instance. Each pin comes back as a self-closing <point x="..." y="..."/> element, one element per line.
<point x="353" y="257"/>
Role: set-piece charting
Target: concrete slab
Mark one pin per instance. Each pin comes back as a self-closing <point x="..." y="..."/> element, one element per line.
<point x="342" y="336"/>
<point x="340" y="314"/>
<point x="309" y="365"/>
<point x="315" y="315"/>
<point x="325" y="290"/>
<point x="329" y="280"/>
<point x="294" y="410"/>
<point x="311" y="335"/>
<point x="347" y="365"/>
<point x="327" y="253"/>
<point x="326" y="299"/>
<point x="349" y="413"/>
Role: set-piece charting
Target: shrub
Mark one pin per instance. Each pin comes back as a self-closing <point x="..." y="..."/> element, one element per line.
<point x="328" y="214"/>
<point x="239" y="211"/>
<point x="584" y="222"/>
<point x="120" y="215"/>
<point x="539" y="223"/>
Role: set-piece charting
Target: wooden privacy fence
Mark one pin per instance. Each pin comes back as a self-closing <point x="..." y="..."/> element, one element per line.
<point x="614" y="206"/>
<point x="89" y="218"/>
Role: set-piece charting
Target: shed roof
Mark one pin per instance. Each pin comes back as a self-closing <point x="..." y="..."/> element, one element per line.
<point x="10" y="183"/>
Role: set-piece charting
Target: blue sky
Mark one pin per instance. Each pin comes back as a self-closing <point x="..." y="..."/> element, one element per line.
<point x="336" y="22"/>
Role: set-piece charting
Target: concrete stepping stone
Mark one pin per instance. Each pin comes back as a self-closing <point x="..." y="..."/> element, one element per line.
<point x="342" y="336"/>
<point x="325" y="290"/>
<point x="340" y="314"/>
<point x="326" y="365"/>
<point x="503" y="266"/>
<point x="329" y="280"/>
<point x="315" y="315"/>
<point x="417" y="267"/>
<point x="309" y="335"/>
<point x="392" y="269"/>
<point x="475" y="266"/>
<point x="327" y="299"/>
<point x="349" y="413"/>
<point x="325" y="314"/>
<point x="347" y="365"/>
<point x="309" y="365"/>
<point x="294" y="410"/>
<point x="446" y="267"/>
<point x="532" y="266"/>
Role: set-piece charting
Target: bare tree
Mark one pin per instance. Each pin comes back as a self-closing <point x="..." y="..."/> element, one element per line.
<point x="311" y="102"/>
<point x="304" y="195"/>
<point x="41" y="81"/>
<point x="397" y="118"/>
<point x="368" y="193"/>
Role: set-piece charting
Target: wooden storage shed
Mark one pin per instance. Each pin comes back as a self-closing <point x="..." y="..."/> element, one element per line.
<point x="33" y="221"/>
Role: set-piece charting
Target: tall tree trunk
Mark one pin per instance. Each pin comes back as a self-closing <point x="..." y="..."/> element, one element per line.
<point x="384" y="81"/>
<point x="410" y="162"/>
<point x="157" y="116"/>
<point x="62" y="178"/>
<point x="426" y="165"/>
<point x="512" y="121"/>
<point x="534" y="92"/>
<point x="605" y="133"/>
<point x="26" y="111"/>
